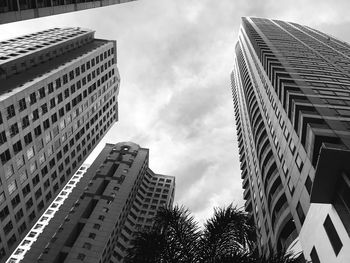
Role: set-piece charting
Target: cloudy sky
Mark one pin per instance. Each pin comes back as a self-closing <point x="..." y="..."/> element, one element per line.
<point x="175" y="59"/>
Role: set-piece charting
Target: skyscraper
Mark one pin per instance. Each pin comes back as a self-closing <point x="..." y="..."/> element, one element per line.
<point x="58" y="98"/>
<point x="291" y="90"/>
<point x="16" y="10"/>
<point x="118" y="194"/>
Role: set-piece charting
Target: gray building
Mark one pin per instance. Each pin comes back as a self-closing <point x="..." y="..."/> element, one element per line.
<point x="291" y="90"/>
<point x="17" y="10"/>
<point x="58" y="98"/>
<point x="117" y="195"/>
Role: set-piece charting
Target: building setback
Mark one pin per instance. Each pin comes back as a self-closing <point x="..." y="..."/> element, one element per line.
<point x="17" y="10"/>
<point x="291" y="91"/>
<point x="58" y="98"/>
<point x="117" y="195"/>
<point x="37" y="229"/>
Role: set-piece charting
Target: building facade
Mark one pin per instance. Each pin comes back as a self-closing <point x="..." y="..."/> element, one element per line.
<point x="117" y="195"/>
<point x="43" y="221"/>
<point x="58" y="98"/>
<point x="291" y="92"/>
<point x="17" y="10"/>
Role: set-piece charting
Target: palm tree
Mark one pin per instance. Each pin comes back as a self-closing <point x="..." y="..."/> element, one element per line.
<point x="229" y="236"/>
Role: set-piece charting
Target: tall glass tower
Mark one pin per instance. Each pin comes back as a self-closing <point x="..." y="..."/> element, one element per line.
<point x="291" y="90"/>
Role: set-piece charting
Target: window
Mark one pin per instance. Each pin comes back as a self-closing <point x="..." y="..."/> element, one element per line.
<point x="300" y="213"/>
<point x="26" y="190"/>
<point x="2" y="198"/>
<point x="92" y="235"/>
<point x="314" y="256"/>
<point x="25" y="122"/>
<point x="97" y="226"/>
<point x="37" y="131"/>
<point x="52" y="103"/>
<point x="87" y="245"/>
<point x="42" y="93"/>
<point x="28" y="138"/>
<point x="5" y="156"/>
<point x="14" y="129"/>
<point x="46" y="124"/>
<point x="9" y="171"/>
<point x="81" y="256"/>
<point x="15" y="201"/>
<point x="30" y="152"/>
<point x="332" y="235"/>
<point x="35" y="114"/>
<point x="32" y="98"/>
<point x="23" y="176"/>
<point x="3" y="138"/>
<point x="12" y="186"/>
<point x="10" y="111"/>
<point x="50" y="87"/>
<point x="285" y="168"/>
<point x="29" y="204"/>
<point x="58" y="83"/>
<point x="17" y="147"/>
<point x="19" y="161"/>
<point x="44" y="109"/>
<point x="22" y="104"/>
<point x="32" y="167"/>
<point x="308" y="184"/>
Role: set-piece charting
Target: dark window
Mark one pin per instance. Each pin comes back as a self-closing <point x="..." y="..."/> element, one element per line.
<point x="314" y="256"/>
<point x="29" y="204"/>
<point x="14" y="129"/>
<point x="58" y="83"/>
<point x="4" y="213"/>
<point x="10" y="111"/>
<point x="332" y="235"/>
<point x="5" y="156"/>
<point x="32" y="98"/>
<point x="25" y="122"/>
<point x="52" y="103"/>
<point x="26" y="190"/>
<point x="46" y="124"/>
<point x="3" y="138"/>
<point x="37" y="131"/>
<point x="42" y="92"/>
<point x="15" y="201"/>
<point x="28" y="138"/>
<point x="50" y="87"/>
<point x="44" y="108"/>
<point x="54" y="117"/>
<point x="22" y="104"/>
<point x="35" y="114"/>
<point x="59" y="98"/>
<point x="17" y="147"/>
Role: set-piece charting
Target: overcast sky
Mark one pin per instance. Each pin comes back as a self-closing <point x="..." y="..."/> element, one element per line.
<point x="175" y="59"/>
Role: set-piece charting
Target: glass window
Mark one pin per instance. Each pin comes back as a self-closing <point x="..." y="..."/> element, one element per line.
<point x="332" y="235"/>
<point x="23" y="176"/>
<point x="32" y="167"/>
<point x="8" y="171"/>
<point x="12" y="186"/>
<point x="30" y="152"/>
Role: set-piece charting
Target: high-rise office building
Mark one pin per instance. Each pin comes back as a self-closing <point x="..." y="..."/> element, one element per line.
<point x="118" y="194"/>
<point x="58" y="98"/>
<point x="291" y="90"/>
<point x="17" y="10"/>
